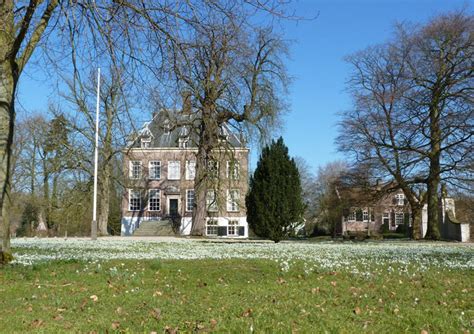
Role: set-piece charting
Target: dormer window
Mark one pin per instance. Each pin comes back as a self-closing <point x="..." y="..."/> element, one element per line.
<point x="167" y="127"/>
<point x="223" y="134"/>
<point x="400" y="199"/>
<point x="145" y="142"/>
<point x="183" y="142"/>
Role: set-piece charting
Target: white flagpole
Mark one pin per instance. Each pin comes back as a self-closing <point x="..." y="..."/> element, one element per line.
<point x="96" y="161"/>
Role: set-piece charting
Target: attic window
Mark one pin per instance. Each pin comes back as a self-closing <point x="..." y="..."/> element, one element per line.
<point x="223" y="134"/>
<point x="400" y="199"/>
<point x="145" y="142"/>
<point x="183" y="142"/>
<point x="166" y="127"/>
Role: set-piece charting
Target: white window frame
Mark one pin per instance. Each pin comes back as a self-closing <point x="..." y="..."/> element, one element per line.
<point x="397" y="218"/>
<point x="352" y="216"/>
<point x="211" y="203"/>
<point x="190" y="169"/>
<point x="132" y="165"/>
<point x="130" y="191"/>
<point x="145" y="142"/>
<point x="151" y="166"/>
<point x="213" y="168"/>
<point x="400" y="199"/>
<point x="235" y="173"/>
<point x="233" y="204"/>
<point x="365" y="215"/>
<point x="189" y="206"/>
<point x="177" y="163"/>
<point x="212" y="224"/>
<point x="233" y="228"/>
<point x="183" y="142"/>
<point x="150" y="197"/>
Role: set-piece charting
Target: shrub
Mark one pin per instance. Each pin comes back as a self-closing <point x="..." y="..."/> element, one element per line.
<point x="402" y="229"/>
<point x="5" y="257"/>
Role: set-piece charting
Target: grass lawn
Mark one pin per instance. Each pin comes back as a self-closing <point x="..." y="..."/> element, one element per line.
<point x="121" y="286"/>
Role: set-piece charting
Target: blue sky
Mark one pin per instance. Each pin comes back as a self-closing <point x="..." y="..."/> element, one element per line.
<point x="317" y="94"/>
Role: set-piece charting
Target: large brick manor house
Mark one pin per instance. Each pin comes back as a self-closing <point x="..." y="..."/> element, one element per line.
<point x="160" y="164"/>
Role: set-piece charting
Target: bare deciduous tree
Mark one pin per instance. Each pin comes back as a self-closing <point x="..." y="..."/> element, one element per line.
<point x="412" y="117"/>
<point x="235" y="77"/>
<point x="90" y="30"/>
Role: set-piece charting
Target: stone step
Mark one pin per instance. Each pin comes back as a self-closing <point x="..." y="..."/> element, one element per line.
<point x="154" y="228"/>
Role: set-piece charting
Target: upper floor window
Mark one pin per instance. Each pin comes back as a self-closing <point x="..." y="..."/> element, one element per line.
<point x="189" y="199"/>
<point x="154" y="200"/>
<point x="154" y="170"/>
<point x="233" y="198"/>
<point x="174" y="170"/>
<point x="134" y="200"/>
<point x="352" y="216"/>
<point x="145" y="142"/>
<point x="213" y="168"/>
<point x="400" y="199"/>
<point x="233" y="170"/>
<point x="190" y="169"/>
<point x="135" y="169"/>
<point x="211" y="201"/>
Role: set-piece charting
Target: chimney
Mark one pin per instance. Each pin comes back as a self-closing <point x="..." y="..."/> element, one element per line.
<point x="186" y="96"/>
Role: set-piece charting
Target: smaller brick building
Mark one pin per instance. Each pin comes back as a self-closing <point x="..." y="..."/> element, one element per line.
<point x="391" y="209"/>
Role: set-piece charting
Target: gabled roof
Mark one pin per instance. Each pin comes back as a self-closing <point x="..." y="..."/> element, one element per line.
<point x="163" y="132"/>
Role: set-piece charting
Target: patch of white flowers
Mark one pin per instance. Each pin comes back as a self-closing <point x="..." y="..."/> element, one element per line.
<point x="359" y="258"/>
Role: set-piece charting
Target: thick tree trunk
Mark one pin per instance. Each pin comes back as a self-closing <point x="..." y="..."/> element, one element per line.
<point x="434" y="174"/>
<point x="416" y="222"/>
<point x="104" y="207"/>
<point x="200" y="192"/>
<point x="208" y="141"/>
<point x="46" y="201"/>
<point x="8" y="80"/>
<point x="433" y="210"/>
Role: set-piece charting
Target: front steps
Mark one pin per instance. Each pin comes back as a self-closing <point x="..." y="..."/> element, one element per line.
<point x="151" y="228"/>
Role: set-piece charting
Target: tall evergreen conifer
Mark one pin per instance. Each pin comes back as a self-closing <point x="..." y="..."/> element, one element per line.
<point x="274" y="202"/>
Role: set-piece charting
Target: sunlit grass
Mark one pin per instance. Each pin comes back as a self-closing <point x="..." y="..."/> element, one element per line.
<point x="80" y="286"/>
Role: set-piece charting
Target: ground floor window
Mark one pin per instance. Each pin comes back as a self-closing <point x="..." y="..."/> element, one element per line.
<point x="386" y="218"/>
<point x="134" y="200"/>
<point x="154" y="200"/>
<point x="365" y="215"/>
<point x="211" y="227"/>
<point x="399" y="218"/>
<point x="233" y="228"/>
<point x="352" y="216"/>
<point x="189" y="199"/>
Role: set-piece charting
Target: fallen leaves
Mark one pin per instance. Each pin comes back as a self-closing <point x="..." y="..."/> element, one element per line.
<point x="94" y="298"/>
<point x="357" y="310"/>
<point x="37" y="323"/>
<point x="58" y="317"/>
<point x="280" y="280"/>
<point x="156" y="314"/>
<point x="247" y="313"/>
<point x="115" y="325"/>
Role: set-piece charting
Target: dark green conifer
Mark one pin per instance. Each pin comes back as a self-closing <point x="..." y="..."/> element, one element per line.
<point x="274" y="202"/>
